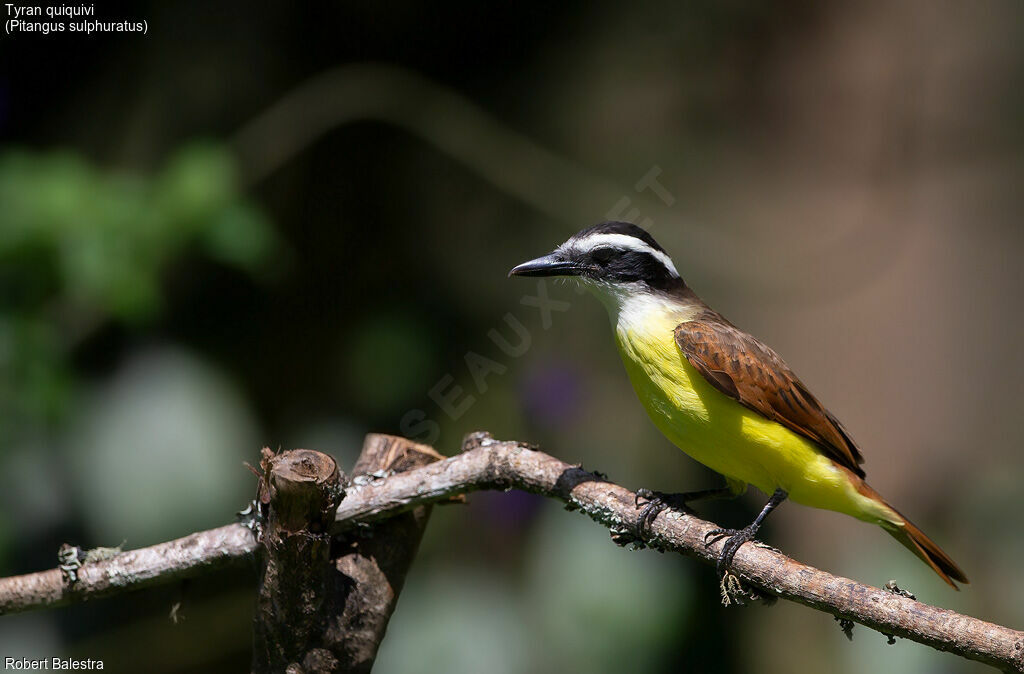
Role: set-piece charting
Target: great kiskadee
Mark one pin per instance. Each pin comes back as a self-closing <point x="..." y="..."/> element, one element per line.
<point x="721" y="395"/>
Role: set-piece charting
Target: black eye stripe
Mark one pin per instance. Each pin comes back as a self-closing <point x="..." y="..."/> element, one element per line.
<point x="625" y="257"/>
<point x="620" y="252"/>
<point x="628" y="266"/>
<point x="633" y="259"/>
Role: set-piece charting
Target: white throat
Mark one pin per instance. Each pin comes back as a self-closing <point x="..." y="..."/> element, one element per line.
<point x="633" y="307"/>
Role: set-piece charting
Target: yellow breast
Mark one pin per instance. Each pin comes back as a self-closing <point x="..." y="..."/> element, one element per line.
<point x="718" y="431"/>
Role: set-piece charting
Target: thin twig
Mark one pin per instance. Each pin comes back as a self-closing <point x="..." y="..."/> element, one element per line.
<point x="556" y="185"/>
<point x="490" y="464"/>
<point x="179" y="559"/>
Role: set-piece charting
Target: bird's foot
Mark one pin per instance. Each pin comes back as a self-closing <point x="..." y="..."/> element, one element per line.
<point x="736" y="538"/>
<point x="653" y="503"/>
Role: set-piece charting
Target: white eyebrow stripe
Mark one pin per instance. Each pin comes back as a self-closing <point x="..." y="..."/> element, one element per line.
<point x="625" y="242"/>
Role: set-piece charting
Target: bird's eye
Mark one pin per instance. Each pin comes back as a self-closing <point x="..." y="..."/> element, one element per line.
<point x="603" y="255"/>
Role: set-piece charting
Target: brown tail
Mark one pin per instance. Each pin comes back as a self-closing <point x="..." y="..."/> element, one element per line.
<point x="917" y="542"/>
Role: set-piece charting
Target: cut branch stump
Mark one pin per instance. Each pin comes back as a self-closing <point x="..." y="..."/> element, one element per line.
<point x="299" y="491"/>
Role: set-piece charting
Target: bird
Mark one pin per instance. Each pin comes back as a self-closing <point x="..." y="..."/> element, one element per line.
<point x="722" y="396"/>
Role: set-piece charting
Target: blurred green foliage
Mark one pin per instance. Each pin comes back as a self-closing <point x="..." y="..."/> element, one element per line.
<point x="80" y="246"/>
<point x="390" y="356"/>
<point x="579" y="604"/>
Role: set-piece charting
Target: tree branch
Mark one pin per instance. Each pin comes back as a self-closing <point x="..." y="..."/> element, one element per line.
<point x="490" y="464"/>
<point x="159" y="564"/>
<point x="373" y="564"/>
<point x="301" y="489"/>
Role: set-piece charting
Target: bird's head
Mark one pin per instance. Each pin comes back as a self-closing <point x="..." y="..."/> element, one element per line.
<point x="616" y="255"/>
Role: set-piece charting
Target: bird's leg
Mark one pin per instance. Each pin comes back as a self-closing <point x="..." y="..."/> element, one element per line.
<point x="657" y="501"/>
<point x="738" y="537"/>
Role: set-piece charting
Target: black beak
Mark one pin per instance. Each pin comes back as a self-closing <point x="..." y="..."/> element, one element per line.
<point x="549" y="265"/>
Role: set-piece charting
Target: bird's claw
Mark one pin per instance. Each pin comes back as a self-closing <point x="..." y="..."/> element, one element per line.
<point x="735" y="539"/>
<point x="653" y="503"/>
<point x="643" y="494"/>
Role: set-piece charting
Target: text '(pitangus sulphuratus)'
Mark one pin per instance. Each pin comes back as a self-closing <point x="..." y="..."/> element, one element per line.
<point x="722" y="396"/>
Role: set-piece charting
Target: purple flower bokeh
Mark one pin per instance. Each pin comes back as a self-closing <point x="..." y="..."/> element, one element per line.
<point x="552" y="394"/>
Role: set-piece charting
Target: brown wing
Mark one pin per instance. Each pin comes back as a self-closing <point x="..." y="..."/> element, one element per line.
<point x="748" y="371"/>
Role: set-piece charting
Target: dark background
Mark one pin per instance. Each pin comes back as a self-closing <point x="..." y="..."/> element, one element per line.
<point x="273" y="224"/>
